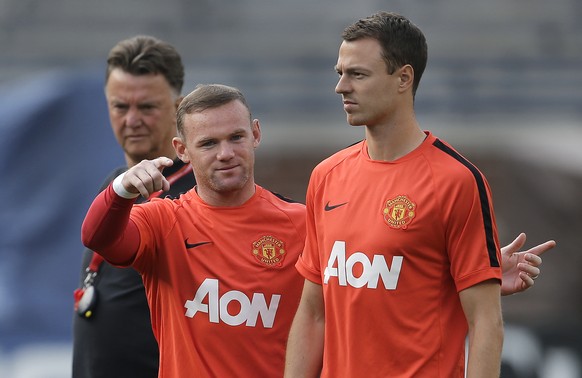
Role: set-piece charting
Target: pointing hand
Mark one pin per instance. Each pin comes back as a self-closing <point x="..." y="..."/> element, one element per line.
<point x="146" y="177"/>
<point x="520" y="269"/>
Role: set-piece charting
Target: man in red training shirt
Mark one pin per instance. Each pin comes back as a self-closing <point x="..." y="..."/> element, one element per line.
<point x="217" y="263"/>
<point x="401" y="260"/>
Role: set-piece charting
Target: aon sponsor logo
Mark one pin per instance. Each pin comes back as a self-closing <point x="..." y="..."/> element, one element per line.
<point x="207" y="301"/>
<point x="371" y="271"/>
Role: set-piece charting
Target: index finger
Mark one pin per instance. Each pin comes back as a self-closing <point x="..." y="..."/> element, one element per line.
<point x="540" y="249"/>
<point x="162" y="162"/>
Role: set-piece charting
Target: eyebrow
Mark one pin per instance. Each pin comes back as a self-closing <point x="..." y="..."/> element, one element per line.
<point x="241" y="130"/>
<point x="351" y="70"/>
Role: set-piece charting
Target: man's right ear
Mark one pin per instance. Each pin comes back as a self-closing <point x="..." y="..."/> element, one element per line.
<point x="180" y="149"/>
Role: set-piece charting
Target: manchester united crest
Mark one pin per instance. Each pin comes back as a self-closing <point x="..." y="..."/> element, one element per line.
<point x="399" y="212"/>
<point x="269" y="251"/>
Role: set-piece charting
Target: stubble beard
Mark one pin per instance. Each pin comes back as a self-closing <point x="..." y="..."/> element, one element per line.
<point x="225" y="185"/>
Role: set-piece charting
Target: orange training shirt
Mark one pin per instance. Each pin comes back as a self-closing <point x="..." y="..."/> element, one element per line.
<point x="392" y="244"/>
<point x="221" y="282"/>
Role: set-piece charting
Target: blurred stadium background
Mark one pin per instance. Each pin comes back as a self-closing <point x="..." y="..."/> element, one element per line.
<point x="503" y="84"/>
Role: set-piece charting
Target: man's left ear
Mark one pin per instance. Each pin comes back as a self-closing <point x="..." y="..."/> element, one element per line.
<point x="256" y="132"/>
<point x="406" y="77"/>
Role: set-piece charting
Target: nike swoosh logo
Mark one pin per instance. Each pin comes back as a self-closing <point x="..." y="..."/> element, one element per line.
<point x="188" y="245"/>
<point x="329" y="207"/>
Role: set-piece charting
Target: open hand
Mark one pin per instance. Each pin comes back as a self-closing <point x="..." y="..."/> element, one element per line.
<point x="520" y="269"/>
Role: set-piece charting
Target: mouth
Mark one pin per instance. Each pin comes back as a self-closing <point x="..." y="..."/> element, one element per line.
<point x="227" y="168"/>
<point x="132" y="138"/>
<point x="349" y="105"/>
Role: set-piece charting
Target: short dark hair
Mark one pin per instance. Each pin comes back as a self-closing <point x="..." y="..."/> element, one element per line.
<point x="402" y="42"/>
<point x="143" y="55"/>
<point x="207" y="96"/>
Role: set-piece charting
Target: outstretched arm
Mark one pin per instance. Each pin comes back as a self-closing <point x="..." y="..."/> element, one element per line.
<point x="520" y="269"/>
<point x="107" y="228"/>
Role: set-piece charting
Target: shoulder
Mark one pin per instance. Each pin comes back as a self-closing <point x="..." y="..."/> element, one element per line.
<point x="451" y="166"/>
<point x="164" y="212"/>
<point x="338" y="168"/>
<point x="344" y="156"/>
<point x="281" y="203"/>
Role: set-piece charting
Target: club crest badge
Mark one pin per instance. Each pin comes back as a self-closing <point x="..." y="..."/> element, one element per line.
<point x="399" y="212"/>
<point x="269" y="251"/>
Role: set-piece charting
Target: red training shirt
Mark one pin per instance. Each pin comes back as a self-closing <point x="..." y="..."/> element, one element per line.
<point x="220" y="281"/>
<point x="392" y="244"/>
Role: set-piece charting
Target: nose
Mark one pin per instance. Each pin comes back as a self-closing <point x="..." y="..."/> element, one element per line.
<point x="133" y="117"/>
<point x="341" y="86"/>
<point x="225" y="152"/>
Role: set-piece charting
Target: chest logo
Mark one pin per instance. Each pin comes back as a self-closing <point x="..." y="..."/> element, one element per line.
<point x="269" y="251"/>
<point x="399" y="212"/>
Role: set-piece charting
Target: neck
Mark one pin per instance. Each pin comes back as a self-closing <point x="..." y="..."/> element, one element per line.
<point x="393" y="141"/>
<point x="233" y="198"/>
